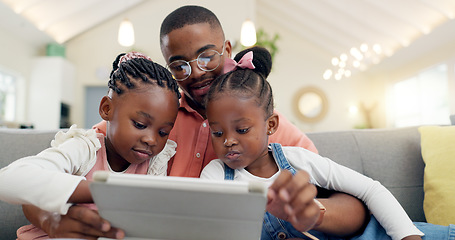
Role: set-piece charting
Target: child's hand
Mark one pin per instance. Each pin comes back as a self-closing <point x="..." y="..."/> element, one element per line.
<point x="291" y="198"/>
<point x="80" y="222"/>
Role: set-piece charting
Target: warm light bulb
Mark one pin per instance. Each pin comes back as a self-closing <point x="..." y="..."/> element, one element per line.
<point x="353" y="109"/>
<point x="343" y="57"/>
<point x="377" y="49"/>
<point x="327" y="74"/>
<point x="356" y="64"/>
<point x="248" y="34"/>
<point x="126" y="33"/>
<point x="338" y="77"/>
<point x="356" y="53"/>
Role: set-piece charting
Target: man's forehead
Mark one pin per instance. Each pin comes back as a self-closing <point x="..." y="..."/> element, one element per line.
<point x="189" y="40"/>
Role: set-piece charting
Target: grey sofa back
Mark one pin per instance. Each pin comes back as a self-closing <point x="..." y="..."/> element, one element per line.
<point x="391" y="156"/>
<point x="14" y="144"/>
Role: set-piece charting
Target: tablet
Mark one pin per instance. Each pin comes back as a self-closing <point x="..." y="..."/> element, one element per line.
<point x="156" y="207"/>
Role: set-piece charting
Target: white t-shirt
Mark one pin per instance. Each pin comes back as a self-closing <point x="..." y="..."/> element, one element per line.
<point x="328" y="174"/>
<point x="48" y="179"/>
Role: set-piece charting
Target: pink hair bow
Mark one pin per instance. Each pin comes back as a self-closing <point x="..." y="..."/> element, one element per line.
<point x="245" y="62"/>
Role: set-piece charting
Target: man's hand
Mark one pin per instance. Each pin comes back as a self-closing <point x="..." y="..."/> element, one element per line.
<point x="79" y="222"/>
<point x="291" y="198"/>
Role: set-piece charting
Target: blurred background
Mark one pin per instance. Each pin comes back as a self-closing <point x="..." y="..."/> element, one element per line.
<point x="338" y="65"/>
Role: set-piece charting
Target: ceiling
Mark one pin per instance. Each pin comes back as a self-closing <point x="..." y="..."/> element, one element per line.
<point x="61" y="20"/>
<point x="333" y="25"/>
<point x="336" y="25"/>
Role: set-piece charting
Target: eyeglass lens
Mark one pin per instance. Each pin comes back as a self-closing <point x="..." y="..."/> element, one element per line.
<point x="207" y="61"/>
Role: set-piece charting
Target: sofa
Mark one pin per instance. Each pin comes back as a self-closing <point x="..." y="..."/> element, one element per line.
<point x="391" y="156"/>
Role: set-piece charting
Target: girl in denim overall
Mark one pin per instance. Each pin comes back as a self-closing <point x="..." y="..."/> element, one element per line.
<point x="240" y="113"/>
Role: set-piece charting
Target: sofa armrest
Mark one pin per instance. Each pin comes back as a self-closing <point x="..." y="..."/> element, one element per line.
<point x="15" y="144"/>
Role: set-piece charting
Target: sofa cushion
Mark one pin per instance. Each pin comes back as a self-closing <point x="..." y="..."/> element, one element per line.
<point x="390" y="156"/>
<point x="438" y="151"/>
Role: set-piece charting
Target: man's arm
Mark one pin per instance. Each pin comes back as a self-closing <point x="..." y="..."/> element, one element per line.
<point x="345" y="215"/>
<point x="291" y="198"/>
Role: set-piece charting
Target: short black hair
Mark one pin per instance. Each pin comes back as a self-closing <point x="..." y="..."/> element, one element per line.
<point x="248" y="82"/>
<point x="126" y="75"/>
<point x="188" y="15"/>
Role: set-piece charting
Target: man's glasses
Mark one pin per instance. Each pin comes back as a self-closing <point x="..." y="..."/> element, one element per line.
<point x="207" y="61"/>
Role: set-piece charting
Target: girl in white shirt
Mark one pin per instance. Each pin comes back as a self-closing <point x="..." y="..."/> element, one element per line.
<point x="140" y="109"/>
<point x="240" y="113"/>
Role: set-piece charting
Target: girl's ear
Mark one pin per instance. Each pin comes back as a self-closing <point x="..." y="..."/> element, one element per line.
<point x="272" y="124"/>
<point x="105" y="108"/>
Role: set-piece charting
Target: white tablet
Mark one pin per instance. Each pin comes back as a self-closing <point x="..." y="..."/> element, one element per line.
<point x="152" y="207"/>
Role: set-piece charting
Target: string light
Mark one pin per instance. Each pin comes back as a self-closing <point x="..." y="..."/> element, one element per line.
<point x="359" y="58"/>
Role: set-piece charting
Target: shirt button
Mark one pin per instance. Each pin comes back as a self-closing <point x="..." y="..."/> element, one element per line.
<point x="281" y="235"/>
<point x="204" y="124"/>
<point x="198" y="155"/>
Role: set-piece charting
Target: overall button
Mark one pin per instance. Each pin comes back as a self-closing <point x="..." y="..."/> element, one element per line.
<point x="204" y="124"/>
<point x="281" y="235"/>
<point x="198" y="155"/>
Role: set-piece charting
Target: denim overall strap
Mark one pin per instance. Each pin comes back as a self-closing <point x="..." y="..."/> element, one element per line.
<point x="280" y="158"/>
<point x="277" y="153"/>
<point x="273" y="227"/>
<point x="228" y="173"/>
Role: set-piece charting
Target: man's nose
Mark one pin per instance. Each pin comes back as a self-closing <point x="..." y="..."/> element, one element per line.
<point x="196" y="71"/>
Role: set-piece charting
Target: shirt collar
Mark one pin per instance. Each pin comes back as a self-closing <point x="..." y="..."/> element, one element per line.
<point x="184" y="103"/>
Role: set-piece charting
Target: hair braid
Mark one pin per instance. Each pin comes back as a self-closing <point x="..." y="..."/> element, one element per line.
<point x="129" y="68"/>
<point x="248" y="82"/>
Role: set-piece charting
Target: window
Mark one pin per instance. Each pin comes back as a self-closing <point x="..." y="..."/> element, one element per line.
<point x="422" y="99"/>
<point x="7" y="97"/>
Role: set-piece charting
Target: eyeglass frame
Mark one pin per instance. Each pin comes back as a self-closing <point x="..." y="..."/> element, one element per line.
<point x="191" y="69"/>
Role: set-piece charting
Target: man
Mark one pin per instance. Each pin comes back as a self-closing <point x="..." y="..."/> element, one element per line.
<point x="188" y="36"/>
<point x="194" y="47"/>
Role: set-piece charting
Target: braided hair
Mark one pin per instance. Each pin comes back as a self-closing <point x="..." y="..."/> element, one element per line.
<point x="131" y="69"/>
<point x="248" y="83"/>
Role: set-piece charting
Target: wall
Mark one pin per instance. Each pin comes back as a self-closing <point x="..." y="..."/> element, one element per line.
<point x="299" y="64"/>
<point x="16" y="58"/>
<point x="51" y="83"/>
<point x="427" y="51"/>
<point x="94" y="51"/>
